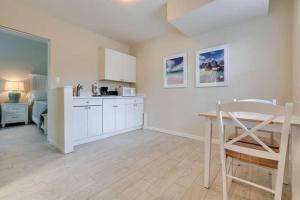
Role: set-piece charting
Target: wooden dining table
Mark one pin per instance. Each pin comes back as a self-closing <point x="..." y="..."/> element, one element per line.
<point x="250" y="120"/>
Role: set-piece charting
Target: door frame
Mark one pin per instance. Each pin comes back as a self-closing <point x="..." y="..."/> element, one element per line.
<point x="47" y="41"/>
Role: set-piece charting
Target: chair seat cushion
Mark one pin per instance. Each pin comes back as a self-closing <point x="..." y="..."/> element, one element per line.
<point x="270" y="142"/>
<point x="251" y="143"/>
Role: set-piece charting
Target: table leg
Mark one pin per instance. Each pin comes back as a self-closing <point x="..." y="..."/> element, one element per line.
<point x="295" y="162"/>
<point x="207" y="151"/>
<point x="288" y="163"/>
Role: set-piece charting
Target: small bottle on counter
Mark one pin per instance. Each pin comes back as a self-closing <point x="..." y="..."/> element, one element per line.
<point x="76" y="90"/>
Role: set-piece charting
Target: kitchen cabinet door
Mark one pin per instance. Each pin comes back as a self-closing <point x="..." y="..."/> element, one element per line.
<point x="94" y="121"/>
<point x="109" y="116"/>
<point x="120" y="117"/>
<point x="129" y="69"/>
<point x="130" y="115"/>
<point x="79" y="123"/>
<point x="113" y="65"/>
<point x="116" y="66"/>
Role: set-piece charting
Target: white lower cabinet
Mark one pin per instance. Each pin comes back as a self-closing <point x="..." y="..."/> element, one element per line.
<point x="114" y="116"/>
<point x="130" y="115"/>
<point x="79" y="123"/>
<point x="134" y="115"/>
<point x="94" y="119"/>
<point x="120" y="116"/>
<point x="109" y="116"/>
<point x="87" y="123"/>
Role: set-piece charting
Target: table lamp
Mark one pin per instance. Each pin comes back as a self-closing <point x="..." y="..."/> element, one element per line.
<point x="14" y="89"/>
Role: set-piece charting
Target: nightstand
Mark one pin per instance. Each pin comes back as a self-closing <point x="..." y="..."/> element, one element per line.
<point x="14" y="113"/>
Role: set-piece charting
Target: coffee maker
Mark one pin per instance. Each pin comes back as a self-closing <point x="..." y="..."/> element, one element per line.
<point x="104" y="91"/>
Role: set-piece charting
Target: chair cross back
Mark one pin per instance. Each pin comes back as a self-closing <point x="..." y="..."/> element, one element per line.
<point x="250" y="131"/>
<point x="273" y="101"/>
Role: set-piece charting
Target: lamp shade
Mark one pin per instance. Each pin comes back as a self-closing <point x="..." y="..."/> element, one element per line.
<point x="11" y="86"/>
<point x="14" y="86"/>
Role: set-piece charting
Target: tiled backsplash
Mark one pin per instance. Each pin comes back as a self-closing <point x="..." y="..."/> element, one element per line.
<point x="112" y="85"/>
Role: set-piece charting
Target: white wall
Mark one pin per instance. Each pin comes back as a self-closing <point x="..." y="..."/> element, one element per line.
<point x="296" y="48"/>
<point x="60" y="99"/>
<point x="260" y="67"/>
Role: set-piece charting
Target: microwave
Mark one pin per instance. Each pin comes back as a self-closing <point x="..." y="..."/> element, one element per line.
<point x="127" y="92"/>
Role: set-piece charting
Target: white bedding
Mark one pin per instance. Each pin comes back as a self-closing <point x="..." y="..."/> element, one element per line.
<point x="38" y="108"/>
<point x="37" y="95"/>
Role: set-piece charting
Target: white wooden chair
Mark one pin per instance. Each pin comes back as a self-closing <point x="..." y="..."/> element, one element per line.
<point x="259" y="154"/>
<point x="272" y="102"/>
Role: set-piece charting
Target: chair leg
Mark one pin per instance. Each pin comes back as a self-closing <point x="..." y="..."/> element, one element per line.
<point x="224" y="172"/>
<point x="287" y="171"/>
<point x="279" y="180"/>
<point x="229" y="171"/>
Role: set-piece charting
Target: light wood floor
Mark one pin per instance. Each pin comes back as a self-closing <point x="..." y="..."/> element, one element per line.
<point x="141" y="165"/>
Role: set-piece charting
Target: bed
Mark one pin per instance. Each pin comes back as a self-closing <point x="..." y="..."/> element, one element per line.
<point x="38" y="100"/>
<point x="39" y="108"/>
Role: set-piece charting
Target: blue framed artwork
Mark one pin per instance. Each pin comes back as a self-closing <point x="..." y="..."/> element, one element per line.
<point x="212" y="67"/>
<point x="175" y="71"/>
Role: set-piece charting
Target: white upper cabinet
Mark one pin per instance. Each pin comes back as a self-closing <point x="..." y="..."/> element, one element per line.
<point x="129" y="71"/>
<point x="116" y="66"/>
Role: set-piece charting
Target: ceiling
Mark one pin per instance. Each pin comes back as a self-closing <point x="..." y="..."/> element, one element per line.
<point x="127" y="21"/>
<point x="133" y="21"/>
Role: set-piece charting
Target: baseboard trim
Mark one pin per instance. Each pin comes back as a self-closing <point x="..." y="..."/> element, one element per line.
<point x="180" y="134"/>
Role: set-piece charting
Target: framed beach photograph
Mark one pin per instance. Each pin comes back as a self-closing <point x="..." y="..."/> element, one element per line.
<point x="212" y="67"/>
<point x="175" y="71"/>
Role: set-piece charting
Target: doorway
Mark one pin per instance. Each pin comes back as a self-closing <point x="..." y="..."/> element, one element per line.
<point x="24" y="87"/>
